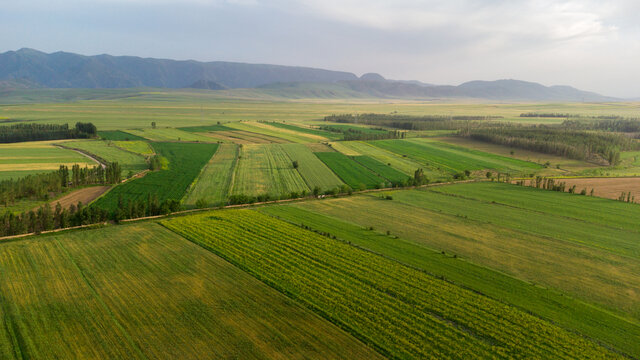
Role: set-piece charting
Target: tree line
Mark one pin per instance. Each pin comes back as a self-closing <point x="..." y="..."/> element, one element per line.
<point x="365" y="134"/>
<point x="40" y="132"/>
<point x="46" y="218"/>
<point x="575" y="144"/>
<point x="611" y="125"/>
<point x="408" y="122"/>
<point x="40" y="186"/>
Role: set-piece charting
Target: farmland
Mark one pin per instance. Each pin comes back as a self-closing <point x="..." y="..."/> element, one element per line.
<point x="307" y="130"/>
<point x="138" y="147"/>
<point x="185" y="162"/>
<point x="142" y="292"/>
<point x="244" y="137"/>
<point x="569" y="254"/>
<point x="169" y="134"/>
<point x="214" y="182"/>
<point x="313" y="171"/>
<point x="117" y="135"/>
<point x="565" y="311"/>
<point x="352" y="173"/>
<point x="397" y="309"/>
<point x="452" y="159"/>
<point x="108" y="152"/>
<point x="266" y="169"/>
<point x="21" y="159"/>
<point x="403" y="164"/>
<point x="262" y="128"/>
<point x="610" y="188"/>
<point x="384" y="170"/>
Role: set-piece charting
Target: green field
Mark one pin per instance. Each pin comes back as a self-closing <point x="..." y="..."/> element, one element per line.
<point x="263" y="128"/>
<point x="563" y="310"/>
<point x="352" y="173"/>
<point x="169" y="134"/>
<point x="313" y="171"/>
<point x="307" y="130"/>
<point x="108" y="152"/>
<point x="386" y="171"/>
<point x="403" y="164"/>
<point x="118" y="135"/>
<point x="138" y="147"/>
<point x="185" y="162"/>
<point x="214" y="182"/>
<point x="595" y="263"/>
<point x="404" y="312"/>
<point x="142" y="292"/>
<point x="205" y="128"/>
<point x="266" y="169"/>
<point x="453" y="159"/>
<point x="26" y="158"/>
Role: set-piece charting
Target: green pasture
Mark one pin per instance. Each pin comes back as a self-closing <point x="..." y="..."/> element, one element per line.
<point x="169" y="134"/>
<point x="384" y="170"/>
<point x="138" y="147"/>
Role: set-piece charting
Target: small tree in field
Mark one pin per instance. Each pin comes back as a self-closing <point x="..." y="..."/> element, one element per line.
<point x="295" y="164"/>
<point x="153" y="124"/>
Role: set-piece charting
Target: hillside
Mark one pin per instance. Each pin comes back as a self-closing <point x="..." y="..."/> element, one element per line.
<point x="28" y="69"/>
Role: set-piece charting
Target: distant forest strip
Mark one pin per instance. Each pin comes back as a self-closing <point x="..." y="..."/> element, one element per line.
<point x="40" y="132"/>
<point x="613" y="125"/>
<point x="354" y="133"/>
<point x="574" y="116"/>
<point x="408" y="122"/>
<point x="573" y="144"/>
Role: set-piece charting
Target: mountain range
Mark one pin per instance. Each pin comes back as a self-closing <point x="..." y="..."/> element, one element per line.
<point x="28" y="68"/>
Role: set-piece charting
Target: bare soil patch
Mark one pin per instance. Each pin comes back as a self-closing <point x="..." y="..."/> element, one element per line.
<point x="85" y="195"/>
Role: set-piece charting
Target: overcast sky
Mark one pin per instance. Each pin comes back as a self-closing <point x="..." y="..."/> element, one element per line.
<point x="592" y="45"/>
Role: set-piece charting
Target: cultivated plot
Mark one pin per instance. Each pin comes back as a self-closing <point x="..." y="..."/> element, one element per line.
<point x="351" y="172"/>
<point x="313" y="171"/>
<point x="22" y="159"/>
<point x="169" y="134"/>
<point x="261" y="128"/>
<point x="400" y="310"/>
<point x="107" y="152"/>
<point x="266" y="169"/>
<point x="142" y="292"/>
<point x="185" y="163"/>
<point x="568" y="312"/>
<point x="214" y="183"/>
<point x="569" y="254"/>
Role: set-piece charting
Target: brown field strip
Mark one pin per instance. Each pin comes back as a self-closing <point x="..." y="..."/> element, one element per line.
<point x="244" y="137"/>
<point x="609" y="188"/>
<point x="85" y="196"/>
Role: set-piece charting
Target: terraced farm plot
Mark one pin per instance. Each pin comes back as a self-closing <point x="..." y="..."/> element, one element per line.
<point x="260" y="128"/>
<point x="402" y="311"/>
<point x="595" y="263"/>
<point x="575" y="315"/>
<point x="118" y="135"/>
<point x="138" y="147"/>
<point x="108" y="152"/>
<point x="142" y="292"/>
<point x="313" y="171"/>
<point x="185" y="163"/>
<point x="244" y="137"/>
<point x="451" y="158"/>
<point x="266" y="169"/>
<point x="169" y="134"/>
<point x="352" y="173"/>
<point x="214" y="182"/>
<point x="26" y="158"/>
<point x="384" y="170"/>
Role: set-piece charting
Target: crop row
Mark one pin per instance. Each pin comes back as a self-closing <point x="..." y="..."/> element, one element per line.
<point x="352" y="173"/>
<point x="401" y="311"/>
<point x="185" y="162"/>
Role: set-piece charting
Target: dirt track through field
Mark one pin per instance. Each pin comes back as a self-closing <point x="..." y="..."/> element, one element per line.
<point x="85" y="195"/>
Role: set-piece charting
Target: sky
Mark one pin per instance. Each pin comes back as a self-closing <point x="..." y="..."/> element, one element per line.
<point x="591" y="45"/>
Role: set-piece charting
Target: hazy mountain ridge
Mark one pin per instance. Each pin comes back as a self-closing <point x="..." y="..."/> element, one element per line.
<point x="28" y="68"/>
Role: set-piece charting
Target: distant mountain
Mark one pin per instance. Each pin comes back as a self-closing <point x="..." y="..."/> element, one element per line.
<point x="206" y="85"/>
<point x="67" y="70"/>
<point x="27" y="69"/>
